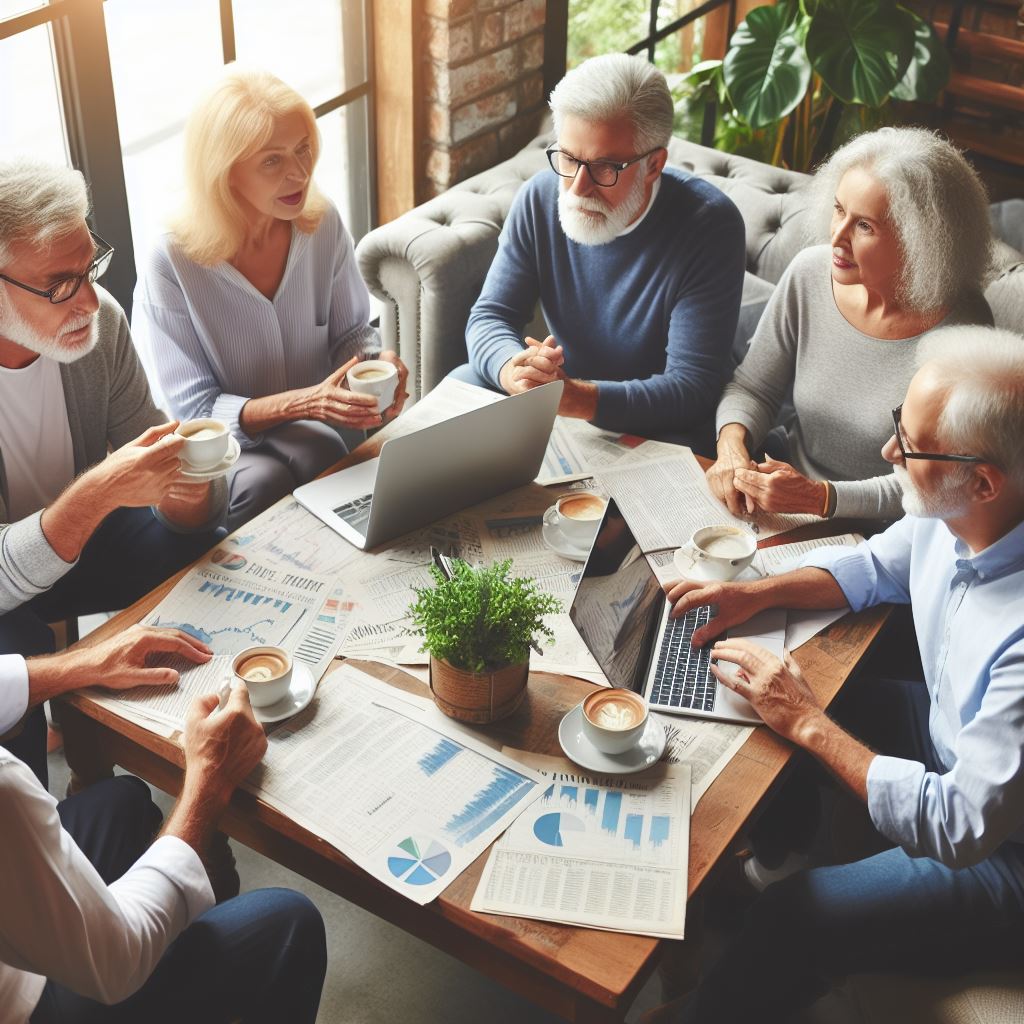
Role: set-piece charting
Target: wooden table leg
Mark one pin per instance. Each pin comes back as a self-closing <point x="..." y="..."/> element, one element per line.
<point x="83" y="748"/>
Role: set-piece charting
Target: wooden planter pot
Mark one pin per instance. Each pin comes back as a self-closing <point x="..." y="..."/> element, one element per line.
<point x="478" y="697"/>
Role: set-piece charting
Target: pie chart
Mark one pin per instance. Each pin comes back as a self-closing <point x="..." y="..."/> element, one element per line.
<point x="418" y="861"/>
<point x="553" y="829"/>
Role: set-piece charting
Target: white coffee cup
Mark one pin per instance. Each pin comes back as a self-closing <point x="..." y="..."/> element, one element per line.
<point x="717" y="552"/>
<point x="578" y="515"/>
<point x="614" y="719"/>
<point x="265" y="671"/>
<point x="206" y="442"/>
<point x="374" y="377"/>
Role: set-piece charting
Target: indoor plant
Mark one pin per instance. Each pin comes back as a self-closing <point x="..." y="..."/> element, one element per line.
<point x="478" y="626"/>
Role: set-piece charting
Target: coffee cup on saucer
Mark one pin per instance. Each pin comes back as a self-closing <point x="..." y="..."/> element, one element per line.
<point x="266" y="672"/>
<point x="578" y="515"/>
<point x="717" y="553"/>
<point x="614" y="720"/>
<point x="374" y="377"/>
<point x="206" y="442"/>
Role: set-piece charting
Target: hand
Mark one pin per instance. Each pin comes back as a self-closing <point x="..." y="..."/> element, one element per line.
<point x="777" y="487"/>
<point x="141" y="473"/>
<point x="121" y="662"/>
<point x="538" y="363"/>
<point x="776" y="689"/>
<point x="733" y="602"/>
<point x="400" y="393"/>
<point x="721" y="477"/>
<point x="222" y="746"/>
<point x="331" y="402"/>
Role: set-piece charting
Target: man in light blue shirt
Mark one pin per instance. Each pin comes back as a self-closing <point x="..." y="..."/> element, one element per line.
<point x="946" y="785"/>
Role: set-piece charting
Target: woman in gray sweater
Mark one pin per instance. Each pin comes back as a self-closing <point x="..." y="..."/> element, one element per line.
<point x="909" y="250"/>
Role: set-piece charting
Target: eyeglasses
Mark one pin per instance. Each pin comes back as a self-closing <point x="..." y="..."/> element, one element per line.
<point x="929" y="456"/>
<point x="602" y="172"/>
<point x="68" y="288"/>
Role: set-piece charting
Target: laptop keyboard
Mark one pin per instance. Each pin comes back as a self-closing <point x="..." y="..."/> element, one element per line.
<point x="356" y="512"/>
<point x="682" y="676"/>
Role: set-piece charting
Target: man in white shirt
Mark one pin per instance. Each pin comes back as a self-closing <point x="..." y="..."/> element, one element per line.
<point x="98" y="922"/>
<point x="91" y="532"/>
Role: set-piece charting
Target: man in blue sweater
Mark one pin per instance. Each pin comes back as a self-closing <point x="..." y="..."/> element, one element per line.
<point x="638" y="269"/>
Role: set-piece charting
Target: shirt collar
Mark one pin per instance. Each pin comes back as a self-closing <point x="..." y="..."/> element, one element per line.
<point x="999" y="558"/>
<point x="650" y="202"/>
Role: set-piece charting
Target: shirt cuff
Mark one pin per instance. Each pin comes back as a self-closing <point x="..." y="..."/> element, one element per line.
<point x="13" y="691"/>
<point x="227" y="408"/>
<point x="850" y="567"/>
<point x="180" y="865"/>
<point x="894" y="788"/>
<point x="491" y="369"/>
<point x="29" y="557"/>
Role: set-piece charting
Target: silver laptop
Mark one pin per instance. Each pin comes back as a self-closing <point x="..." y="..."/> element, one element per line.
<point x="437" y="470"/>
<point x="622" y="615"/>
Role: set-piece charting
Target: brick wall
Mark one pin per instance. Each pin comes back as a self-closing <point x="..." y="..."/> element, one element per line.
<point x="484" y="79"/>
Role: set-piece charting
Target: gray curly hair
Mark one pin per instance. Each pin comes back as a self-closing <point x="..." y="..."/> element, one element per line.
<point x="937" y="206"/>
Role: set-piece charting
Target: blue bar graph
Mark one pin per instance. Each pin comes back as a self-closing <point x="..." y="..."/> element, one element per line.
<point x="505" y="790"/>
<point x="635" y="829"/>
<point x="590" y="800"/>
<point x="434" y="761"/>
<point x="245" y="596"/>
<point x="610" y="815"/>
<point x="548" y="794"/>
<point x="570" y="793"/>
<point x="659" y="829"/>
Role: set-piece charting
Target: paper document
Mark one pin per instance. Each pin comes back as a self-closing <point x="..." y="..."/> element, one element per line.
<point x="387" y="780"/>
<point x="607" y="852"/>
<point x="705" y="745"/>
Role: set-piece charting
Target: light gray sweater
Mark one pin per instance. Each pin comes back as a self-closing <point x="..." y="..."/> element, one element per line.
<point x="845" y="386"/>
<point x="108" y="403"/>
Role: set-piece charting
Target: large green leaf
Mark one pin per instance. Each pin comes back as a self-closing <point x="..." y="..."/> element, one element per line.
<point x="766" y="69"/>
<point x="929" y="68"/>
<point x="861" y="48"/>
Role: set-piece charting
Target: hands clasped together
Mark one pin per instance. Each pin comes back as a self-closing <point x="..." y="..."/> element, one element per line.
<point x="539" y="363"/>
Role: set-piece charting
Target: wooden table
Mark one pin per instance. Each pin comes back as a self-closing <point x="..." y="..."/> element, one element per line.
<point x="581" y="974"/>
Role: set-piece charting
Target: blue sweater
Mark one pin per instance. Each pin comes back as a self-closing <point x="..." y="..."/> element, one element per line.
<point x="649" y="317"/>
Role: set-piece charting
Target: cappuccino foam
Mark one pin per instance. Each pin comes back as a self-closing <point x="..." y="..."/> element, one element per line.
<point x="616" y="710"/>
<point x="372" y="375"/>
<point x="725" y="545"/>
<point x="202" y="434"/>
<point x="260" y="668"/>
<point x="585" y="506"/>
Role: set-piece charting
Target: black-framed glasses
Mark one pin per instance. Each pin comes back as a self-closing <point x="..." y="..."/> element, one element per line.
<point x="897" y="429"/>
<point x="68" y="288"/>
<point x="602" y="172"/>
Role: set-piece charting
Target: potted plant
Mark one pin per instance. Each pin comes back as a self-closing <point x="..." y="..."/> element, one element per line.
<point x="478" y="626"/>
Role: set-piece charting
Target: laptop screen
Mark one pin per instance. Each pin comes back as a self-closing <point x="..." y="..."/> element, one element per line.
<point x="618" y="603"/>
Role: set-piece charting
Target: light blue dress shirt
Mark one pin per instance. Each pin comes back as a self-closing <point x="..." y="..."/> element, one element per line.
<point x="969" y="615"/>
<point x="210" y="341"/>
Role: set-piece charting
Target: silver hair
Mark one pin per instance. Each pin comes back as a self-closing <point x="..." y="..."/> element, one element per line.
<point x="983" y="369"/>
<point x="614" y="85"/>
<point x="39" y="203"/>
<point x="937" y="206"/>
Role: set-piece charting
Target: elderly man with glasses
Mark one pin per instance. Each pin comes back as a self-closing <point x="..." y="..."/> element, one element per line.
<point x="638" y="269"/>
<point x="937" y="764"/>
<point x="80" y="531"/>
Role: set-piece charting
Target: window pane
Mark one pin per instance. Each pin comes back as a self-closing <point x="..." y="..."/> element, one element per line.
<point x="163" y="57"/>
<point x="343" y="171"/>
<point x="33" y="124"/>
<point x="605" y="26"/>
<point x="320" y="54"/>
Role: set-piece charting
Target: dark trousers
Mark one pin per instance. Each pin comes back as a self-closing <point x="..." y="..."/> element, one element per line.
<point x="258" y="958"/>
<point x="886" y="913"/>
<point x="129" y="554"/>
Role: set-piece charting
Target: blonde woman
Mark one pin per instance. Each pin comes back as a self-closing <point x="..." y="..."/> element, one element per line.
<point x="909" y="249"/>
<point x="251" y="309"/>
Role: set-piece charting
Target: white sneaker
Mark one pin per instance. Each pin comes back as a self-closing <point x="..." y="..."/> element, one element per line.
<point x="761" y="877"/>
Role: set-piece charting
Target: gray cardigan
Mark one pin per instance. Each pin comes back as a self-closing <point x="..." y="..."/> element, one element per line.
<point x="108" y="404"/>
<point x="844" y="383"/>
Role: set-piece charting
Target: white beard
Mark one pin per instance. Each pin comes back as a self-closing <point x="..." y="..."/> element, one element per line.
<point x="598" y="230"/>
<point x="947" y="501"/>
<point x="14" y="328"/>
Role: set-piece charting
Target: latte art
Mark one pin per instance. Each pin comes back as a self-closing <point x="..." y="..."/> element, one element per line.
<point x="615" y="709"/>
<point x="586" y="506"/>
<point x="259" y="668"/>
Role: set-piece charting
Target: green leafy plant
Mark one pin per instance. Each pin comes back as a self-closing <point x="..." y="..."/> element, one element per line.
<point x="480" y="619"/>
<point x="809" y="74"/>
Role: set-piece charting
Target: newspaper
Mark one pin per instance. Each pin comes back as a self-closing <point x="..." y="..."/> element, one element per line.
<point x="392" y="783"/>
<point x="705" y="745"/>
<point x="606" y="852"/>
<point x="665" y="500"/>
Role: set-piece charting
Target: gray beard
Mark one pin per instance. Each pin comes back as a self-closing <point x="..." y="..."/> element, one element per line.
<point x="14" y="328"/>
<point x="947" y="501"/>
<point x="586" y="230"/>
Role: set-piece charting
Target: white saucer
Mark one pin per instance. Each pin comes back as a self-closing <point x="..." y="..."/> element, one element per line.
<point x="298" y="697"/>
<point x="694" y="570"/>
<point x="216" y="470"/>
<point x="551" y="534"/>
<point x="579" y="749"/>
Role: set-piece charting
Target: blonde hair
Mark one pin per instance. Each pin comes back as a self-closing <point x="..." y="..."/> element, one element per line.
<point x="232" y="122"/>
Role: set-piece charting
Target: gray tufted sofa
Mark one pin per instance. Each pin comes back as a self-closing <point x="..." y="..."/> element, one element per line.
<point x="428" y="266"/>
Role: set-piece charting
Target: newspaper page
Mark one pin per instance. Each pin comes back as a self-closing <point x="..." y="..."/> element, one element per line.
<point x="705" y="745"/>
<point x="608" y="852"/>
<point x="665" y="500"/>
<point x="387" y="780"/>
